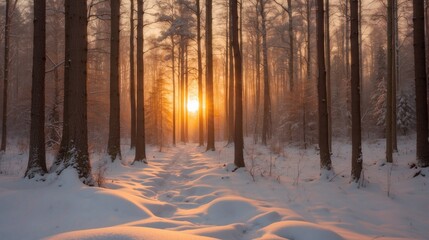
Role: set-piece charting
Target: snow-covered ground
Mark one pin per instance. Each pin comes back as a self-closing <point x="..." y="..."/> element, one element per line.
<point x="187" y="193"/>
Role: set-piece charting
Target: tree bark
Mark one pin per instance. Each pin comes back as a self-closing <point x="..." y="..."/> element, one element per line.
<point x="182" y="89"/>
<point x="238" y="139"/>
<point x="186" y="94"/>
<point x="258" y="72"/>
<point x="74" y="144"/>
<point x="394" y="74"/>
<point x="173" y="68"/>
<point x="231" y="84"/>
<point x="5" y="76"/>
<point x="132" y="78"/>
<point x="291" y="47"/>
<point x="304" y="86"/>
<point x="422" y="145"/>
<point x="389" y="98"/>
<point x="114" y="142"/>
<point x="355" y="91"/>
<point x="227" y="72"/>
<point x="200" y="80"/>
<point x="140" y="155"/>
<point x="328" y="73"/>
<point x="325" y="156"/>
<point x="37" y="158"/>
<point x="266" y="124"/>
<point x="209" y="78"/>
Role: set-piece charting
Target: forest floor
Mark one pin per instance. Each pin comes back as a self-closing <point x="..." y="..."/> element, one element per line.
<point x="187" y="193"/>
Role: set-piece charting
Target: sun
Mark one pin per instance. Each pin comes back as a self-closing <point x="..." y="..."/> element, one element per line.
<point x="193" y="106"/>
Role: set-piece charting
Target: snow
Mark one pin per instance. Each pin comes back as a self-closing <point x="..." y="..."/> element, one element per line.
<point x="187" y="193"/>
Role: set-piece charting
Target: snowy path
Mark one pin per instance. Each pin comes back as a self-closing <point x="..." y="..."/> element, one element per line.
<point x="187" y="193"/>
<point x="195" y="192"/>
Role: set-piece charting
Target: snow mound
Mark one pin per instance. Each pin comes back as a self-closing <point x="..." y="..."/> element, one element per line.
<point x="298" y="230"/>
<point x="126" y="233"/>
<point x="228" y="210"/>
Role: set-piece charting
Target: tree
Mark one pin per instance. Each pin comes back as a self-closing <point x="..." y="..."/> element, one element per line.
<point x="114" y="144"/>
<point x="238" y="136"/>
<point x="6" y="71"/>
<point x="291" y="46"/>
<point x="395" y="71"/>
<point x="231" y="93"/>
<point x="140" y="155"/>
<point x="209" y="77"/>
<point x="406" y="113"/>
<point x="74" y="143"/>
<point x="132" y="78"/>
<point x="266" y="123"/>
<point x="325" y="156"/>
<point x="355" y="92"/>
<point x="37" y="159"/>
<point x="304" y="85"/>
<point x="379" y="96"/>
<point x="422" y="145"/>
<point x="258" y="70"/>
<point x="390" y="80"/>
<point x="200" y="78"/>
<point x="328" y="73"/>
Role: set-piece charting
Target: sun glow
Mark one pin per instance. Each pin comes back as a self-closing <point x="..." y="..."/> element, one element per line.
<point x="193" y="106"/>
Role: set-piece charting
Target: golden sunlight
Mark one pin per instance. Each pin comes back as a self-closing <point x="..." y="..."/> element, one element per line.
<point x="193" y="106"/>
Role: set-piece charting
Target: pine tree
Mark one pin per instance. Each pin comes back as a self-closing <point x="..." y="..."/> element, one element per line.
<point x="209" y="77"/>
<point x="325" y="157"/>
<point x="406" y="113"/>
<point x="267" y="122"/>
<point x="114" y="144"/>
<point x="74" y="143"/>
<point x="132" y="79"/>
<point x="238" y="131"/>
<point x="140" y="155"/>
<point x="37" y="159"/>
<point x="421" y="84"/>
<point x="355" y="92"/>
<point x="379" y="103"/>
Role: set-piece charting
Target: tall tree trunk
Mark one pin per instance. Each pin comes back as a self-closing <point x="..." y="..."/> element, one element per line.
<point x="394" y="74"/>
<point x="209" y="78"/>
<point x="325" y="156"/>
<point x="186" y="93"/>
<point x="161" y="119"/>
<point x="426" y="33"/>
<point x="231" y="85"/>
<point x="114" y="143"/>
<point x="36" y="158"/>
<point x="238" y="139"/>
<point x="200" y="80"/>
<point x="140" y="155"/>
<point x="266" y="124"/>
<point x="304" y="100"/>
<point x="74" y="142"/>
<point x="132" y="79"/>
<point x="5" y="76"/>
<point x="182" y="89"/>
<point x="328" y="73"/>
<point x="355" y="91"/>
<point x="227" y="72"/>
<point x="258" y="72"/>
<point x="347" y="58"/>
<point x="173" y="68"/>
<point x="291" y="47"/>
<point x="422" y="145"/>
<point x="389" y="98"/>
